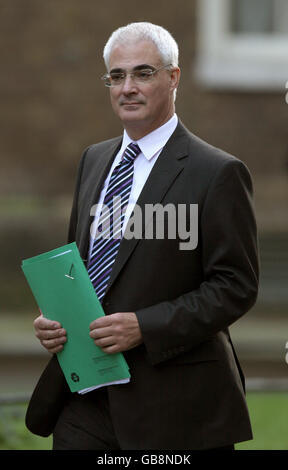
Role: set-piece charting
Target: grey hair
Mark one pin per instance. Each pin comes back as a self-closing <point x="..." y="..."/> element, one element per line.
<point x="163" y="40"/>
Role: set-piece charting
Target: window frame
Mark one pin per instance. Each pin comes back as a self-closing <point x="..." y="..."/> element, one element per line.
<point x="227" y="60"/>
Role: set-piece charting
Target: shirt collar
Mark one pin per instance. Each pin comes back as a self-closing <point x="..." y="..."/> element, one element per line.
<point x="151" y="143"/>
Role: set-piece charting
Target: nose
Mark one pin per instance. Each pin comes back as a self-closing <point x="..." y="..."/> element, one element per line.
<point x="129" y="85"/>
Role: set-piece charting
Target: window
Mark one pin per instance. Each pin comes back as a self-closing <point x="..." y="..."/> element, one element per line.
<point x="242" y="44"/>
<point x="259" y="16"/>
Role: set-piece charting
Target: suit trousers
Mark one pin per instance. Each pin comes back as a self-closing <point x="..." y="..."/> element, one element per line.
<point x="85" y="424"/>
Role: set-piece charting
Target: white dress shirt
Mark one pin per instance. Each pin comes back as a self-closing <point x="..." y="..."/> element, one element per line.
<point x="151" y="146"/>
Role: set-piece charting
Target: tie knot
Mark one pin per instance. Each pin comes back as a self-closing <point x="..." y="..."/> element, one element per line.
<point x="131" y="152"/>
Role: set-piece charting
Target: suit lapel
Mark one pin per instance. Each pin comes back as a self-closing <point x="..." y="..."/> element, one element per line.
<point x="169" y="165"/>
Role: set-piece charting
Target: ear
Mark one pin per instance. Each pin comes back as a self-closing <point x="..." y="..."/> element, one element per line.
<point x="175" y="78"/>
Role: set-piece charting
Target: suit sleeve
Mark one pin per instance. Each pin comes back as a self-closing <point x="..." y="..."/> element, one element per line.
<point x="74" y="210"/>
<point x="228" y="238"/>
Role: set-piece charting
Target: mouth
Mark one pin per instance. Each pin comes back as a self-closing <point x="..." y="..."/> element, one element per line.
<point x="131" y="103"/>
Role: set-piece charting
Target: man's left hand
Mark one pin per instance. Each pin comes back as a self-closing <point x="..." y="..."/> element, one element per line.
<point x="116" y="332"/>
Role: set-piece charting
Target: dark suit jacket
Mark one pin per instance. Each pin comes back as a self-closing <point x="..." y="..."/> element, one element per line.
<point x="187" y="388"/>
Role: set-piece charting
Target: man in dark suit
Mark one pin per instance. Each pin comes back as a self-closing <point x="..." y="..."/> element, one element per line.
<point x="168" y="302"/>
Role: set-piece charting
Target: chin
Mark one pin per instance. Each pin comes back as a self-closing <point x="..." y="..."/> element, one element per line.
<point x="132" y="115"/>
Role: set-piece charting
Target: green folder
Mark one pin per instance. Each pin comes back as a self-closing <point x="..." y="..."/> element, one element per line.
<point x="64" y="292"/>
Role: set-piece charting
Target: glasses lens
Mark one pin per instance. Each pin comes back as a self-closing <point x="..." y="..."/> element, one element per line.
<point x="106" y="80"/>
<point x="143" y="75"/>
<point x="116" y="78"/>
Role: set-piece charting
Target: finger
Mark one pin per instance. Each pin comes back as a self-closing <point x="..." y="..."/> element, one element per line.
<point x="112" y="349"/>
<point x="56" y="349"/>
<point x="54" y="345"/>
<point x="104" y="342"/>
<point x="100" y="332"/>
<point x="42" y="323"/>
<point x="50" y="334"/>
<point x="101" y="322"/>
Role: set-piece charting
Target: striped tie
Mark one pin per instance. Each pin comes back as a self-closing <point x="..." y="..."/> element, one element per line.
<point x="109" y="231"/>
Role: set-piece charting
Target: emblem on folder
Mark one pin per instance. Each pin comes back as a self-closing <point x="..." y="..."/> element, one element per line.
<point x="75" y="377"/>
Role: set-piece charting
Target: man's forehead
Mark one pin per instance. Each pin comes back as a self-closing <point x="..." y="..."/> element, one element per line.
<point x="137" y="67"/>
<point x="134" y="55"/>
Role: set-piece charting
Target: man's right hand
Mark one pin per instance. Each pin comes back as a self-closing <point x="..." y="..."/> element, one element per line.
<point x="50" y="333"/>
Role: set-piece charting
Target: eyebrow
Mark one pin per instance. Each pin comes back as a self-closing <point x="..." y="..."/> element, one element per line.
<point x="137" y="67"/>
